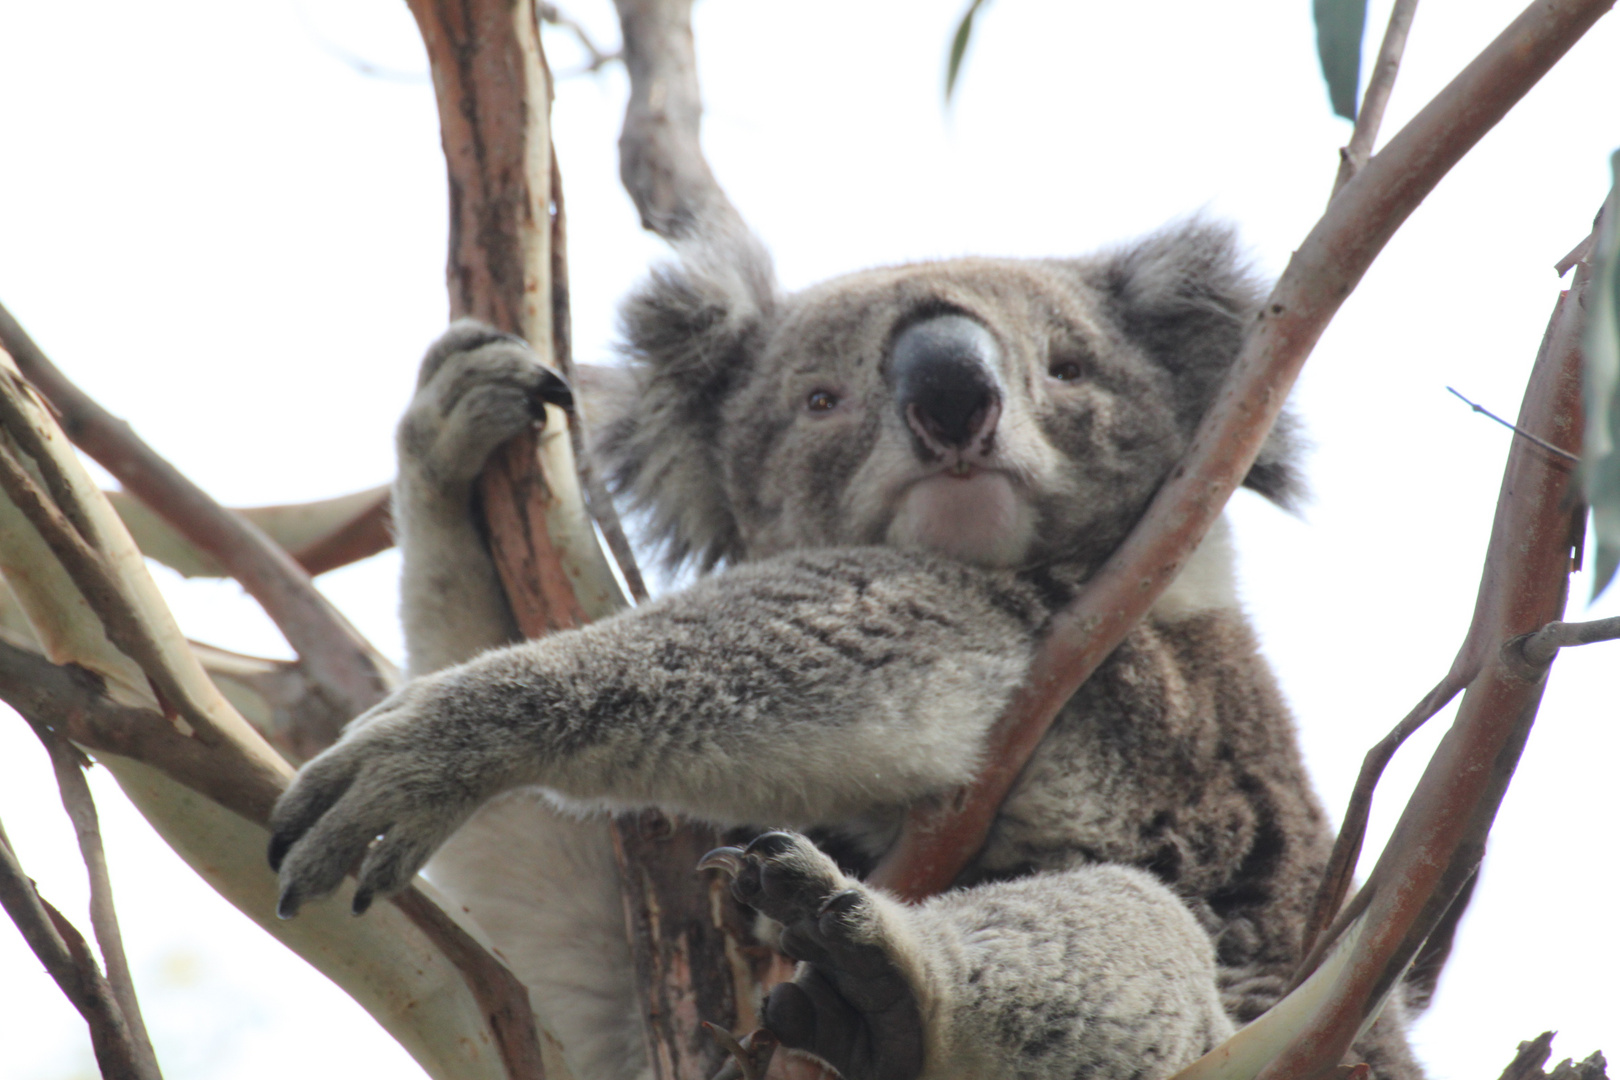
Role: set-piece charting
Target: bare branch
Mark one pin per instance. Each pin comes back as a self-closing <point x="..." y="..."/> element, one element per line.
<point x="95" y="580"/>
<point x="71" y="700"/>
<point x="597" y="499"/>
<point x="600" y="57"/>
<point x="938" y="841"/>
<point x="338" y="659"/>
<point x="1440" y="838"/>
<point x="1543" y="443"/>
<point x="1371" y="113"/>
<point x="69" y="765"/>
<point x="1341" y="867"/>
<point x="63" y="951"/>
<point x="660" y="157"/>
<point x="1540" y="647"/>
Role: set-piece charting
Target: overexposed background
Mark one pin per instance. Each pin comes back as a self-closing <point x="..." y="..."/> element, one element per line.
<point x="227" y="223"/>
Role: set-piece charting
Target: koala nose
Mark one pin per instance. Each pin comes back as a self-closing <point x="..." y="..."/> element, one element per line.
<point x="942" y="371"/>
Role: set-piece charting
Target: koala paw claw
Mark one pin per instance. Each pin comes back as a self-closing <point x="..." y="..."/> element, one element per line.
<point x="851" y="1003"/>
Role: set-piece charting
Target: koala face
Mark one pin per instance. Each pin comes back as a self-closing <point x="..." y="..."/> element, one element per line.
<point x="1003" y="412"/>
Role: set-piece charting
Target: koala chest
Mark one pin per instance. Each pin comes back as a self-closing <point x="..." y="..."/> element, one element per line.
<point x="1178" y="757"/>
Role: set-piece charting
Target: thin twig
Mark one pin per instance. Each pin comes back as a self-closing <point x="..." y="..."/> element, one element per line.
<point x="1341" y="867"/>
<point x="63" y="952"/>
<point x="938" y="841"/>
<point x="600" y="57"/>
<point x="69" y="764"/>
<point x="340" y="662"/>
<point x="1540" y="647"/>
<point x="1543" y="443"/>
<point x="1371" y="113"/>
<point x="598" y="503"/>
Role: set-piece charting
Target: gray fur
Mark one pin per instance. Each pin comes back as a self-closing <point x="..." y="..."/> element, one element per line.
<point x="884" y="594"/>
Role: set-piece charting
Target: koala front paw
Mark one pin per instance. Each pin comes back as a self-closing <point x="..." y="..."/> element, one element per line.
<point x="384" y="797"/>
<point x="477" y="388"/>
<point x="850" y="1003"/>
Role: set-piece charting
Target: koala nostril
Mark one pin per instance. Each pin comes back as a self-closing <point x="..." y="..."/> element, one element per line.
<point x="943" y="373"/>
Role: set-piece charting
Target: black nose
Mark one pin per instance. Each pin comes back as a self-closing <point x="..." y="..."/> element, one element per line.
<point x="942" y="371"/>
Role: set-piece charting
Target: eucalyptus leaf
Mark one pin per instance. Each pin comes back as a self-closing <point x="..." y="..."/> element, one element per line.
<point x="959" y="44"/>
<point x="1340" y="26"/>
<point x="1600" y="465"/>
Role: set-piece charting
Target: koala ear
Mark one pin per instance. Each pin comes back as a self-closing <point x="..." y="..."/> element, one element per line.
<point x="1186" y="295"/>
<point x="691" y="332"/>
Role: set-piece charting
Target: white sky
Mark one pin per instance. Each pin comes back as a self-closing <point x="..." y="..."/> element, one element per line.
<point x="231" y="237"/>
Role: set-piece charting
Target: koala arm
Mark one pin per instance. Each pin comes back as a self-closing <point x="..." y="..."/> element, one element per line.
<point x="801" y="689"/>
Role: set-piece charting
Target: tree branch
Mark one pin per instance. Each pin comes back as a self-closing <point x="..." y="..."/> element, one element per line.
<point x="69" y="765"/>
<point x="339" y="661"/>
<point x="1371" y="113"/>
<point x="1438" y="843"/>
<point x="660" y="157"/>
<point x="1540" y="647"/>
<point x="939" y="840"/>
<point x="63" y="951"/>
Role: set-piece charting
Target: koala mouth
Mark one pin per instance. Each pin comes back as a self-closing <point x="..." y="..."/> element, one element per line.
<point x="966" y="512"/>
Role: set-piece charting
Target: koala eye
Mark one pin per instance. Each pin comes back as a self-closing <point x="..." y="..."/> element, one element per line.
<point x="821" y="401"/>
<point x="1065" y="370"/>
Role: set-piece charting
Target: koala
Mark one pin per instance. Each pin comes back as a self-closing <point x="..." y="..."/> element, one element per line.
<point x="891" y="483"/>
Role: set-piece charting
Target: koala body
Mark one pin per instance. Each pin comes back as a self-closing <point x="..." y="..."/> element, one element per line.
<point x="904" y="473"/>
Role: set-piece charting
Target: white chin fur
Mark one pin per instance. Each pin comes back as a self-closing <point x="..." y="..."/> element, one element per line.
<point x="978" y="519"/>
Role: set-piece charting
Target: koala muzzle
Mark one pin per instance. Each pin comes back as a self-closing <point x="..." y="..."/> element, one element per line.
<point x="943" y="374"/>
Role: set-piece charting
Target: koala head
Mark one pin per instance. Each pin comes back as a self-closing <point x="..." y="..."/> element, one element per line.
<point x="1005" y="412"/>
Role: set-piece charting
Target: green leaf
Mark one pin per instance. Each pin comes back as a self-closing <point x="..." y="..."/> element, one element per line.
<point x="959" y="44"/>
<point x="1600" y="459"/>
<point x="1340" y="25"/>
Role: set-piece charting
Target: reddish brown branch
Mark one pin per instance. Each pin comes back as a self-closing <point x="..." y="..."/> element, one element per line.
<point x="1440" y="838"/>
<point x="362" y="536"/>
<point x="938" y="841"/>
<point x="339" y="661"/>
<point x="66" y="956"/>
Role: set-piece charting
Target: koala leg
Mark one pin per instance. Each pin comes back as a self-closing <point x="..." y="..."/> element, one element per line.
<point x="1097" y="972"/>
<point x="476" y="389"/>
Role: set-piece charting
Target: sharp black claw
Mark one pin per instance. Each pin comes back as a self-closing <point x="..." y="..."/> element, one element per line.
<point x="729" y="859"/>
<point x="362" y="901"/>
<point x="554" y="390"/>
<point x="288" y="905"/>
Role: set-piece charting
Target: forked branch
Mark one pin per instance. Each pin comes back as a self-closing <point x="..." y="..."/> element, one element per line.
<point x="341" y="663"/>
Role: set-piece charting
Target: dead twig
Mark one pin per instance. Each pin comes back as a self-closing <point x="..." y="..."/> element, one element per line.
<point x="340" y="662"/>
<point x="66" y="956"/>
<point x="1370" y="115"/>
<point x="939" y="840"/>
